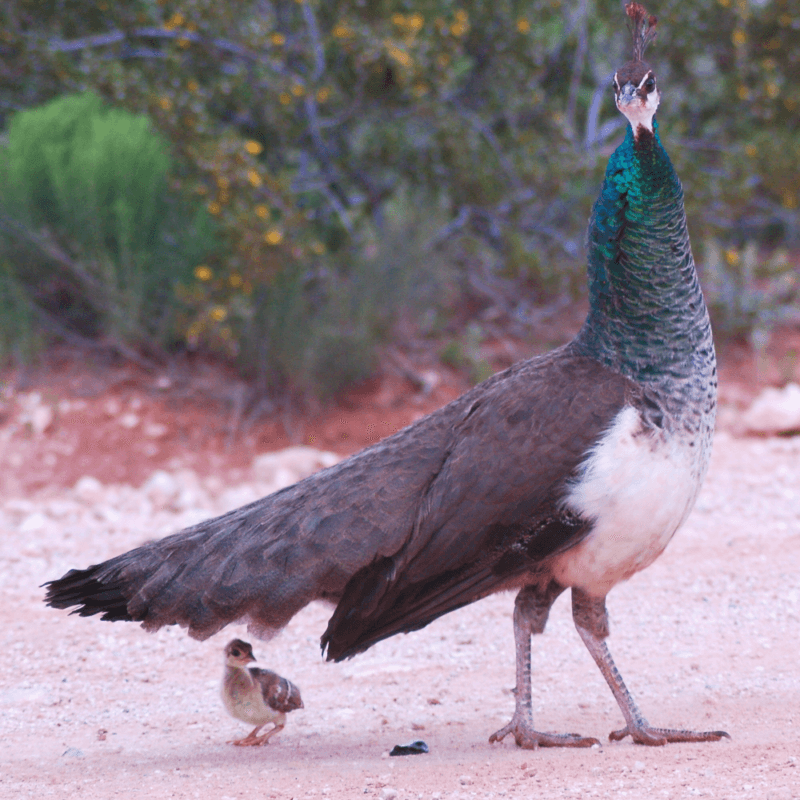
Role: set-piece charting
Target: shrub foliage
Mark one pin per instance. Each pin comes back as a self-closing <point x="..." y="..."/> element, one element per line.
<point x="313" y="131"/>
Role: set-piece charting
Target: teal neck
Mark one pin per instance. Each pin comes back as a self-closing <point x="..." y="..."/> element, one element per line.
<point x="647" y="318"/>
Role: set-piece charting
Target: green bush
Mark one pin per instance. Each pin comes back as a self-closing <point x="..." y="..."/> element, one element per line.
<point x="88" y="227"/>
<point x="303" y="126"/>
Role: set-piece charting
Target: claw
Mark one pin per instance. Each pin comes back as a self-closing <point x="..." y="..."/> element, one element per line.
<point x="656" y="737"/>
<point x="529" y="739"/>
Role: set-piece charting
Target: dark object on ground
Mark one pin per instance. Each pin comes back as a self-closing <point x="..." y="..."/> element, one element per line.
<point x="411" y="749"/>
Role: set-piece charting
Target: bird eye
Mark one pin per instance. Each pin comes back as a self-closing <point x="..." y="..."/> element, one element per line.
<point x="650" y="84"/>
<point x="235" y="653"/>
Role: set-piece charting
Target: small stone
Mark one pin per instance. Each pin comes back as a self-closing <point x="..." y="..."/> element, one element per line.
<point x="638" y="766"/>
<point x="466" y="780"/>
<point x="88" y="487"/>
<point x="33" y="522"/>
<point x="129" y="420"/>
<point x="40" y="419"/>
<point x="72" y="752"/>
<point x="155" y="430"/>
<point x="388" y="793"/>
<point x="774" y="411"/>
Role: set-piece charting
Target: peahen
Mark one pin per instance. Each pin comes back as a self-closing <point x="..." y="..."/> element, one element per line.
<point x="570" y="470"/>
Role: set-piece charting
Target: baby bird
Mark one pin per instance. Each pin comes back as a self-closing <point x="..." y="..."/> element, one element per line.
<point x="256" y="696"/>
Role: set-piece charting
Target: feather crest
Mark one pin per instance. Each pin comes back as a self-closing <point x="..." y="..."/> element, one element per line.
<point x="643" y="28"/>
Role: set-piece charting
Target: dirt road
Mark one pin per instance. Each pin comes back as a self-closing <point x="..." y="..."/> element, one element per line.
<point x="708" y="637"/>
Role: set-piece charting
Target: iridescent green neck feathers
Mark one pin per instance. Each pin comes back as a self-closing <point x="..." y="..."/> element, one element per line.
<point x="647" y="317"/>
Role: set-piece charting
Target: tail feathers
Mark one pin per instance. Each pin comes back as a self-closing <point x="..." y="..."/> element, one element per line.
<point x="222" y="571"/>
<point x="80" y="587"/>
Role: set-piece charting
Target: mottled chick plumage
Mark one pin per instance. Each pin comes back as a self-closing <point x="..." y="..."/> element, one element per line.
<point x="255" y="696"/>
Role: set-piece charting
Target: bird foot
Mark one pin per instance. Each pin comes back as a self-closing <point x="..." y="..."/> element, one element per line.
<point x="656" y="737"/>
<point x="529" y="739"/>
<point x="251" y="741"/>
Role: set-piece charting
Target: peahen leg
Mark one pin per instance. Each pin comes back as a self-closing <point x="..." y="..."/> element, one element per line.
<point x="591" y="620"/>
<point x="531" y="609"/>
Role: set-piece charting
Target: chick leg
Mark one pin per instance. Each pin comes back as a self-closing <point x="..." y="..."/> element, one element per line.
<point x="251" y="740"/>
<point x="591" y="620"/>
<point x="531" y="610"/>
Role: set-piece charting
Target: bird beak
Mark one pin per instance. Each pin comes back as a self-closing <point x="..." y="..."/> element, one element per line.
<point x="627" y="94"/>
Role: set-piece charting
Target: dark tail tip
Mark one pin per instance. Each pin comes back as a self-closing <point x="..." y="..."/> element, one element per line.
<point x="80" y="587"/>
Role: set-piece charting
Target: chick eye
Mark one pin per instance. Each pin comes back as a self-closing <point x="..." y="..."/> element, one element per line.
<point x="235" y="653"/>
<point x="650" y="84"/>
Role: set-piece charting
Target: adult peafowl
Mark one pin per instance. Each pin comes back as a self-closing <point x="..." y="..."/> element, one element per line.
<point x="570" y="470"/>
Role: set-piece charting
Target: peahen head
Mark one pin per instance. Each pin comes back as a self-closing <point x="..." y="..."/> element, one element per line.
<point x="635" y="89"/>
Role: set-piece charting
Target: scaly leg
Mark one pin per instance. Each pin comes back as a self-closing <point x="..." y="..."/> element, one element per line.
<point x="591" y="620"/>
<point x="531" y="609"/>
<point x="251" y="740"/>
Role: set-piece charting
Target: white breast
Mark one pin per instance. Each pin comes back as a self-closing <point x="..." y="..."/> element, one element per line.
<point x="243" y="698"/>
<point x="638" y="490"/>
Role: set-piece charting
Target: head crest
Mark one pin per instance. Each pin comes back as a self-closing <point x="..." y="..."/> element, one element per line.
<point x="643" y="29"/>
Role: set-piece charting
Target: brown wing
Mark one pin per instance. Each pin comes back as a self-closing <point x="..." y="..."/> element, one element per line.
<point x="438" y="515"/>
<point x="280" y="694"/>
<point x="493" y="510"/>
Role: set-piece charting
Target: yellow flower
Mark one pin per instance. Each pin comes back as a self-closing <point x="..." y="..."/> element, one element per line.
<point x="398" y="54"/>
<point x="203" y="273"/>
<point x="458" y="28"/>
<point x="235" y="280"/>
<point x="323" y="94"/>
<point x="420" y="89"/>
<point x="523" y="26"/>
<point x="273" y="236"/>
<point x="739" y="37"/>
<point x="262" y="212"/>
<point x="214" y="208"/>
<point x="223" y="182"/>
<point x="341" y="31"/>
<point x="183" y="42"/>
<point x="218" y="313"/>
<point x="462" y="15"/>
<point x="724" y="3"/>
<point x="751" y="150"/>
<point x="177" y="20"/>
<point x="298" y="90"/>
<point x="772" y="90"/>
<point x="193" y="86"/>
<point x="416" y="21"/>
<point x="253" y="147"/>
<point x="399" y="20"/>
<point x="732" y="256"/>
<point x="285" y="98"/>
<point x="789" y="199"/>
<point x="317" y="248"/>
<point x="165" y="103"/>
<point x="278" y="39"/>
<point x="254" y="178"/>
<point x="743" y="92"/>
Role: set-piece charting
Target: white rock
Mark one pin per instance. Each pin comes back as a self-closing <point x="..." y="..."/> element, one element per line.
<point x="88" y="487"/>
<point x="41" y="418"/>
<point x="291" y="465"/>
<point x="155" y="430"/>
<point x="33" y="522"/>
<point x="161" y="487"/>
<point x="774" y="411"/>
<point x="129" y="420"/>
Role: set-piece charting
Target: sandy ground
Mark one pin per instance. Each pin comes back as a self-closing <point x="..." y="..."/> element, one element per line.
<point x="706" y="638"/>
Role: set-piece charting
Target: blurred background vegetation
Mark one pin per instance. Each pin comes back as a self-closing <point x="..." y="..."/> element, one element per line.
<point x="283" y="183"/>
